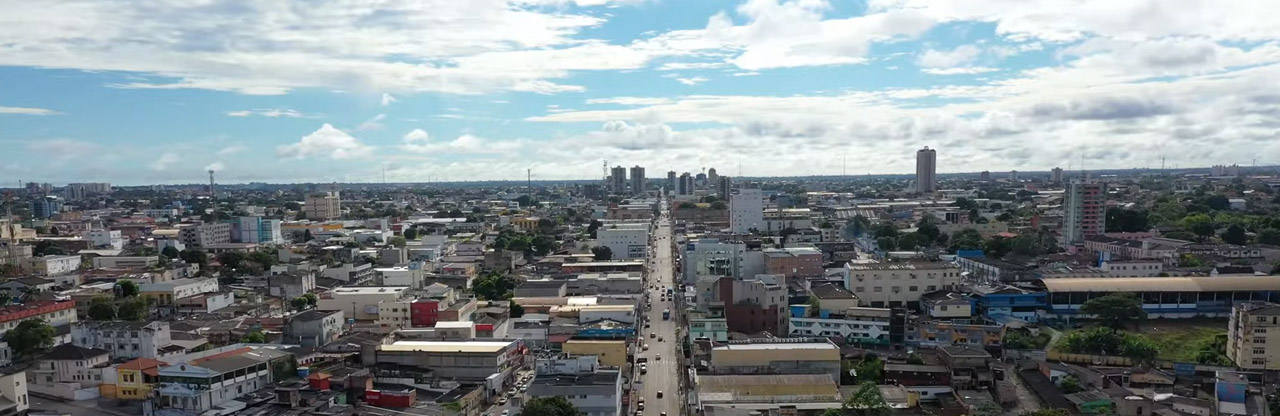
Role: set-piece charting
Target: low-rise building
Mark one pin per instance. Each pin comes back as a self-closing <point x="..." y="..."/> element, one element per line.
<point x="882" y="285"/>
<point x="291" y="285"/>
<point x="314" y="328"/>
<point x="465" y="361"/>
<point x="125" y="262"/>
<point x="736" y="394"/>
<point x="929" y="333"/>
<point x="124" y="339"/>
<point x="1133" y="268"/>
<point x="611" y="353"/>
<point x="793" y="262"/>
<point x="167" y="293"/>
<point x="714" y="329"/>
<point x="626" y="240"/>
<point x="777" y="355"/>
<point x="201" y="385"/>
<point x="53" y="265"/>
<point x="860" y="326"/>
<point x="68" y="372"/>
<point x="134" y="379"/>
<point x="946" y="304"/>
<point x="597" y="393"/>
<point x="362" y="300"/>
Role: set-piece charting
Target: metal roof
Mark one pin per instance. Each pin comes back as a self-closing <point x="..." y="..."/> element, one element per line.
<point x="1164" y="284"/>
<point x="448" y="346"/>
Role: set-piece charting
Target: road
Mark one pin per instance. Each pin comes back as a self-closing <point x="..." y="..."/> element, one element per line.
<point x="663" y="374"/>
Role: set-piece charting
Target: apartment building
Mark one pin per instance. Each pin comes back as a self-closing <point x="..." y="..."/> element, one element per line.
<point x="124" y="339"/>
<point x="67" y="369"/>
<point x="1252" y="335"/>
<point x="323" y="206"/>
<point x="860" y="326"/>
<point x="597" y="393"/>
<point x="53" y="265"/>
<point x="746" y="211"/>
<point x="200" y="236"/>
<point x="257" y="230"/>
<point x="102" y="238"/>
<point x="361" y="301"/>
<point x="713" y="257"/>
<point x="1084" y="210"/>
<point x="626" y="240"/>
<point x="881" y="285"/>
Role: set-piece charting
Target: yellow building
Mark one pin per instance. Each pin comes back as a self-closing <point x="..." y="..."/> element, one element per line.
<point x="525" y="223"/>
<point x="134" y="379"/>
<point x="610" y="353"/>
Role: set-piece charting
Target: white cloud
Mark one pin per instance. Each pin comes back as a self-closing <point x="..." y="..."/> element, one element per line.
<point x="961" y="55"/>
<point x="163" y="162"/>
<point x="215" y="166"/>
<point x="679" y="66"/>
<point x="328" y="142"/>
<point x="269" y="112"/>
<point x="630" y="100"/>
<point x="374" y="123"/>
<point x="416" y="135"/>
<point x="966" y="70"/>
<point x="388" y="99"/>
<point x="691" y="80"/>
<point x="63" y="150"/>
<point x="30" y="111"/>
<point x="231" y="150"/>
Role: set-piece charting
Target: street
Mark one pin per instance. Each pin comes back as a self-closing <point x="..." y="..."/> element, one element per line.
<point x="663" y="374"/>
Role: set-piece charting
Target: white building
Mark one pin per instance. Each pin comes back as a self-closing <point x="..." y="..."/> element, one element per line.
<point x="628" y="240"/>
<point x="198" y="388"/>
<point x="746" y="211"/>
<point x="1133" y="268"/>
<point x="710" y="256"/>
<point x="883" y="285"/>
<point x="106" y="238"/>
<point x="13" y="387"/>
<point x="257" y="230"/>
<point x="410" y="275"/>
<point x="597" y="393"/>
<point x="54" y="265"/>
<point x="161" y="213"/>
<point x="69" y="372"/>
<point x="165" y="293"/>
<point x="125" y="262"/>
<point x="125" y="339"/>
<point x="865" y="326"/>
<point x="363" y="300"/>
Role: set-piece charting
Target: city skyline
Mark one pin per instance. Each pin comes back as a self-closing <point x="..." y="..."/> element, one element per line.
<point x="780" y="88"/>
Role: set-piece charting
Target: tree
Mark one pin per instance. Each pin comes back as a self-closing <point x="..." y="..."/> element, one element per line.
<point x="516" y="310"/>
<point x="5" y="298"/>
<point x="719" y="205"/>
<point x="299" y="303"/>
<point x="255" y="337"/>
<point x="306" y="236"/>
<point x="602" y="253"/>
<point x="914" y="358"/>
<point x="928" y="230"/>
<point x="1235" y="235"/>
<point x="966" y="239"/>
<point x="549" y="406"/>
<point x="1269" y="236"/>
<point x="543" y="244"/>
<point x="886" y="229"/>
<point x="1217" y="202"/>
<point x="133" y="309"/>
<point x="857" y="226"/>
<point x="231" y="259"/>
<point x="887" y="243"/>
<point x="101" y="309"/>
<point x="1115" y="310"/>
<point x="171" y="252"/>
<point x="194" y="257"/>
<point x="29" y="337"/>
<point x="493" y="286"/>
<point x="398" y="241"/>
<point x="866" y="400"/>
<point x="815" y="306"/>
<point x="411" y="233"/>
<point x="127" y="288"/>
<point x="595" y="225"/>
<point x="910" y="241"/>
<point x="1071" y="384"/>
<point x="1200" y="224"/>
<point x="870" y="369"/>
<point x="1126" y="220"/>
<point x="311" y="299"/>
<point x="997" y="247"/>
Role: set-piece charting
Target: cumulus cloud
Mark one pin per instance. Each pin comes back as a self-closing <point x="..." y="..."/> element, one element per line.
<point x="416" y="135"/>
<point x="231" y="150"/>
<point x="374" y="123"/>
<point x="215" y="166"/>
<point x="960" y="56"/>
<point x="691" y="80"/>
<point x="163" y="162"/>
<point x="388" y="99"/>
<point x="328" y="142"/>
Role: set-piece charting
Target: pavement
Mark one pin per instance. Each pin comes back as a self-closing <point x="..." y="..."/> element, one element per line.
<point x="83" y="407"/>
<point x="663" y="375"/>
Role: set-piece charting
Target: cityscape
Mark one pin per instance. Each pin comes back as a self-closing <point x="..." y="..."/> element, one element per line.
<point x="639" y="208"/>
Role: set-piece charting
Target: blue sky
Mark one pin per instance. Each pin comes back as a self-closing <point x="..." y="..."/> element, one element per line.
<point x="337" y="90"/>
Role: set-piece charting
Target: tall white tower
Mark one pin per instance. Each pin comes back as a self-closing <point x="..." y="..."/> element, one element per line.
<point x="926" y="170"/>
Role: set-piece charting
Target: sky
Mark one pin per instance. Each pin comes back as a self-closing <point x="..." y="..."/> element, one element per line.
<point x="140" y="92"/>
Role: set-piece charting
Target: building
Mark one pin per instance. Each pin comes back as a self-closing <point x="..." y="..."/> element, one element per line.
<point x="610" y="353"/>
<point x="67" y="371"/>
<point x="713" y="257"/>
<point x="124" y="339"/>
<point x="323" y="206"/>
<point x="1000" y="302"/>
<point x="946" y="304"/>
<point x="257" y="230"/>
<point x="166" y="293"/>
<point x="854" y="326"/>
<point x="776" y="356"/>
<point x="774" y="394"/>
<point x="1253" y="327"/>
<point x="464" y="361"/>
<point x="76" y="191"/>
<point x="926" y="170"/>
<point x="723" y="186"/>
<point x="637" y="180"/>
<point x="125" y="262"/>
<point x="54" y="312"/>
<point x="134" y="379"/>
<point x="684" y="186"/>
<point x="754" y="305"/>
<point x="53" y="265"/>
<point x="291" y="285"/>
<point x="925" y="332"/>
<point x="671" y="181"/>
<point x="43" y="208"/>
<point x="362" y="301"/>
<point x="618" y="180"/>
<point x="1135" y="268"/>
<point x="985" y="176"/>
<point x="199" y="236"/>
<point x="1055" y="175"/>
<point x="627" y="240"/>
<point x="103" y="238"/>
<point x="13" y="389"/>
<point x="992" y="270"/>
<point x="794" y="262"/>
<point x="746" y="211"/>
<point x="314" y="328"/>
<point x="1013" y="176"/>
<point x="890" y="285"/>
<point x="1164" y="297"/>
<point x="711" y="329"/>
<point x="201" y="385"/>
<point x="1084" y="210"/>
<point x="596" y="393"/>
<point x="1225" y="170"/>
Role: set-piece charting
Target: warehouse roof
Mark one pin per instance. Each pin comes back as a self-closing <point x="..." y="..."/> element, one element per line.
<point x="448" y="346"/>
<point x="1164" y="284"/>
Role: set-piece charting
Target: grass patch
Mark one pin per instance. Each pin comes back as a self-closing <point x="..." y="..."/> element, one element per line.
<point x="1182" y="342"/>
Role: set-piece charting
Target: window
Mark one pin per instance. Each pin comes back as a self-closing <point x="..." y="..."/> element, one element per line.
<point x="1259" y="330"/>
<point x="1259" y="361"/>
<point x="860" y="289"/>
<point x="1258" y="340"/>
<point x="877" y="289"/>
<point x="914" y="288"/>
<point x="1259" y="350"/>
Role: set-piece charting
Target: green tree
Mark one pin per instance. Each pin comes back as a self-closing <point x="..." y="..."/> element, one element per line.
<point x="910" y="241"/>
<point x="171" y="252"/>
<point x="1217" y="202"/>
<point x="254" y="337"/>
<point x="886" y="229"/>
<point x="5" y="298"/>
<point x="299" y="303"/>
<point x="1190" y="260"/>
<point x="127" y="288"/>
<point x="549" y="406"/>
<point x="870" y="369"/>
<point x="101" y="309"/>
<point x="719" y="205"/>
<point x="1126" y="220"/>
<point x="398" y="241"/>
<point x="602" y="253"/>
<point x="1115" y="310"/>
<point x="997" y="247"/>
<point x="516" y="310"/>
<point x="194" y="257"/>
<point x="914" y="358"/>
<point x="493" y="286"/>
<point x="29" y="337"/>
<point x="928" y="231"/>
<point x="866" y="400"/>
<point x="411" y="233"/>
<point x="1071" y="384"/>
<point x="1200" y="224"/>
<point x="311" y="298"/>
<point x="1269" y="236"/>
<point x="133" y="309"/>
<point x="887" y="243"/>
<point x="231" y="260"/>
<point x="857" y="226"/>
<point x="966" y="239"/>
<point x="263" y="258"/>
<point x="1235" y="235"/>
<point x="543" y="244"/>
<point x="815" y="305"/>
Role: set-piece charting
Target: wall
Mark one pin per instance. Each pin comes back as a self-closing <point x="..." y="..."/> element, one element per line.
<point x="610" y="353"/>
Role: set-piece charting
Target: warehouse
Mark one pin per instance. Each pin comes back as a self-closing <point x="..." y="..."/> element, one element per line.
<point x="1165" y="297"/>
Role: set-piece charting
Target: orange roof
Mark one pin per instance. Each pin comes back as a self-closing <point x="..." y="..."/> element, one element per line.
<point x="151" y="371"/>
<point x="141" y="363"/>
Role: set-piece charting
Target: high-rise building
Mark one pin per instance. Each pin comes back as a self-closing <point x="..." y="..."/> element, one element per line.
<point x="637" y="180"/>
<point x="713" y="178"/>
<point x="671" y="181"/>
<point x="1056" y="175"/>
<point x="1013" y="176"/>
<point x="1084" y="210"/>
<point x="323" y="206"/>
<point x="985" y="176"/>
<point x="76" y="191"/>
<point x="45" y="207"/>
<point x="1249" y="333"/>
<point x="618" y="180"/>
<point x="1226" y="170"/>
<point x="684" y="186"/>
<point x="199" y="236"/>
<point x="926" y="170"/>
<point x="257" y="230"/>
<point x="746" y="211"/>
<point x="723" y="184"/>
<point x="701" y="180"/>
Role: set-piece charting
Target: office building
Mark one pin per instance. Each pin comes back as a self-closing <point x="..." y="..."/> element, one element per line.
<point x="45" y="207"/>
<point x="723" y="185"/>
<point x="1055" y="175"/>
<point x="637" y="180"/>
<point x="890" y="285"/>
<point x="200" y="236"/>
<point x="1084" y="210"/>
<point x="746" y="211"/>
<point x="712" y="257"/>
<point x="618" y="180"/>
<point x="753" y="305"/>
<point x="322" y="206"/>
<point x="627" y="240"/>
<point x="926" y="170"/>
<point x="671" y="181"/>
<point x="684" y="186"/>
<point x="257" y="230"/>
<point x="1252" y="335"/>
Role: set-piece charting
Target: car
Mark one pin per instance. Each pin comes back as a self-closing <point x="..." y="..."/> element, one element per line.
<point x="659" y="394"/>
<point x="646" y="325"/>
<point x="659" y="339"/>
<point x="657" y="357"/>
<point x="640" y="406"/>
<point x="502" y="400"/>
<point x="506" y="412"/>
<point x="524" y="389"/>
<point x="653" y="335"/>
<point x="646" y="347"/>
<point x="663" y="414"/>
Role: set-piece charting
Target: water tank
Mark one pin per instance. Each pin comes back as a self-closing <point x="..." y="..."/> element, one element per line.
<point x="304" y="372"/>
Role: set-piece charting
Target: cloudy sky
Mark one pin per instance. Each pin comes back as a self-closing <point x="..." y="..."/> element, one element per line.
<point x="158" y="91"/>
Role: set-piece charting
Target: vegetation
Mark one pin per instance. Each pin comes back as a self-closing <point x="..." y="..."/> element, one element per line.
<point x="1108" y="341"/>
<point x="127" y="289"/>
<point x="914" y="358"/>
<point x="1116" y="310"/>
<point x="549" y="406"/>
<point x="298" y="303"/>
<point x="494" y="286"/>
<point x="867" y="400"/>
<point x="602" y="253"/>
<point x="134" y="309"/>
<point x="30" y="337"/>
<point x="101" y="308"/>
<point x="255" y="337"/>
<point x="194" y="257"/>
<point x="1048" y="412"/>
<point x="1023" y="340"/>
<point x="1071" y="384"/>
<point x="516" y="310"/>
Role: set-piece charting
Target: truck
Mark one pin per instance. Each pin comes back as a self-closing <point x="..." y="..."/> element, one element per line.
<point x="666" y="314"/>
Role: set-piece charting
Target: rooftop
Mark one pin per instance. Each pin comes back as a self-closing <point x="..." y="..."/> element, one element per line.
<point x="592" y="379"/>
<point x="72" y="352"/>
<point x="935" y="265"/>
<point x="448" y="346"/>
<point x="1164" y="284"/>
<point x="231" y="363"/>
<point x="832" y="291"/>
<point x="314" y="315"/>
<point x="368" y="290"/>
<point x="778" y="346"/>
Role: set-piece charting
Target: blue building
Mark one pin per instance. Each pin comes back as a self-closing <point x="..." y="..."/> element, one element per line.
<point x="1003" y="302"/>
<point x="1165" y="297"/>
<point x="44" y="208"/>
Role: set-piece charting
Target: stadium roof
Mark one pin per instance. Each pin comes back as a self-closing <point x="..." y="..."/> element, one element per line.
<point x="1164" y="284"/>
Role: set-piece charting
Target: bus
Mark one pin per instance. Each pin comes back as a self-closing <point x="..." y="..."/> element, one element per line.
<point x="666" y="314"/>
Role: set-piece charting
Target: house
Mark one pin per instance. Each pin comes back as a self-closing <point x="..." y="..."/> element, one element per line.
<point x="69" y="372"/>
<point x="314" y="328"/>
<point x="917" y="375"/>
<point x="969" y="365"/>
<point x="1092" y="402"/>
<point x="13" y="393"/>
<point x="27" y="285"/>
<point x="946" y="304"/>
